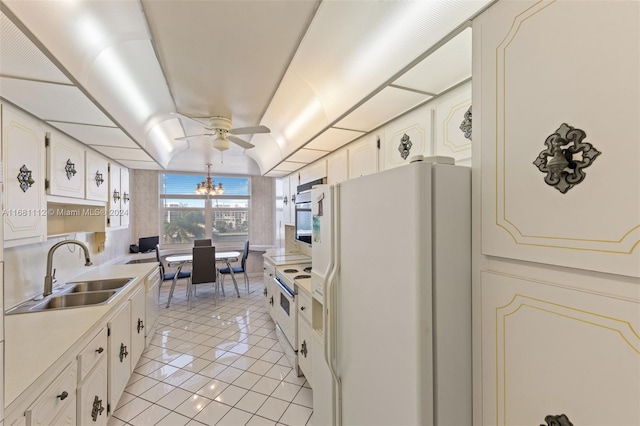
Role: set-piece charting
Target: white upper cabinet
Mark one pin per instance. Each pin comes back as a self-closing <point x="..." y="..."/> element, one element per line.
<point x="452" y="131"/>
<point x="559" y="125"/>
<point x="97" y="176"/>
<point x="65" y="166"/>
<point x="337" y="167"/>
<point x="314" y="171"/>
<point x="406" y="137"/>
<point x="363" y="156"/>
<point x="119" y="197"/>
<point x="23" y="156"/>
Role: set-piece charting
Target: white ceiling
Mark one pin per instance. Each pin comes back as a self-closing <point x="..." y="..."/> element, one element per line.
<point x="318" y="74"/>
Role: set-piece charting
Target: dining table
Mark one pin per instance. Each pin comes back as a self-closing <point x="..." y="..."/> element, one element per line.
<point x="179" y="260"/>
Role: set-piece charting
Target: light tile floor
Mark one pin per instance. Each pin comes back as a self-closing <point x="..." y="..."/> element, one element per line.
<point x="214" y="365"/>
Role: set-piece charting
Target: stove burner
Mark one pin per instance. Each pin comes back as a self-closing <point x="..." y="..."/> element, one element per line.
<point x="307" y="269"/>
<point x="297" y="277"/>
<point x="290" y="271"/>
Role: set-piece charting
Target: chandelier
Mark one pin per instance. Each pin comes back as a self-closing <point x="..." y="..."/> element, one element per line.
<point x="207" y="186"/>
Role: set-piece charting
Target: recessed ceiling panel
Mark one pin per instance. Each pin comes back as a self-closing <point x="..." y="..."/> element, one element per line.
<point x="307" y="155"/>
<point x="144" y="165"/>
<point x="290" y="166"/>
<point x="446" y="67"/>
<point x="122" y="154"/>
<point x="96" y="135"/>
<point x="276" y="173"/>
<point x="55" y="102"/>
<point x="332" y="139"/>
<point x="386" y="105"/>
<point x="21" y="58"/>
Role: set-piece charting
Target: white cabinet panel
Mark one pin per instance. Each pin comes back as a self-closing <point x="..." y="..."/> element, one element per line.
<point x="534" y="81"/>
<point x="138" y="324"/>
<point x="97" y="176"/>
<point x="57" y="404"/>
<point x="406" y="137"/>
<point x="119" y="364"/>
<point x="65" y="166"/>
<point x="450" y="112"/>
<point x="25" y="220"/>
<point x="315" y="171"/>
<point x="549" y="349"/>
<point x="337" y="167"/>
<point x="363" y="156"/>
<point x="126" y="196"/>
<point x="92" y="397"/>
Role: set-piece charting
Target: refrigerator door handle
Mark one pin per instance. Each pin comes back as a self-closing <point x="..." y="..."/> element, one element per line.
<point x="330" y="317"/>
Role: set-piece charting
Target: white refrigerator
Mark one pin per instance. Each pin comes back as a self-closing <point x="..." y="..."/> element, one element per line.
<point x="391" y="257"/>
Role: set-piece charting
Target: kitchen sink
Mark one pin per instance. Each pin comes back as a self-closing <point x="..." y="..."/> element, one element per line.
<point x="99" y="285"/>
<point x="71" y="300"/>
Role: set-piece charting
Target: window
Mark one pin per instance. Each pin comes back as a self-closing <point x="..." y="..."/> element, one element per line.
<point x="188" y="216"/>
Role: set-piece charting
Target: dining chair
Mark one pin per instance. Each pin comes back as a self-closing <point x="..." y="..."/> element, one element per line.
<point x="168" y="276"/>
<point x="203" y="242"/>
<point x="238" y="269"/>
<point x="203" y="269"/>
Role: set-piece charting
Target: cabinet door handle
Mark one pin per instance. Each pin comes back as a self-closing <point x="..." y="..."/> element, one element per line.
<point x="123" y="352"/>
<point x="140" y="325"/>
<point x="303" y="348"/>
<point x="63" y="395"/>
<point x="97" y="409"/>
<point x="264" y="292"/>
<point x="302" y="308"/>
<point x="100" y="350"/>
<point x="271" y="301"/>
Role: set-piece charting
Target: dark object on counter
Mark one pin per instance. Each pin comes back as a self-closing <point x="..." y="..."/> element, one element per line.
<point x="148" y="244"/>
<point x="133" y="248"/>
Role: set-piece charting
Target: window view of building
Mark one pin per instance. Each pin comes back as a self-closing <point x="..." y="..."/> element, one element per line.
<point x="188" y="215"/>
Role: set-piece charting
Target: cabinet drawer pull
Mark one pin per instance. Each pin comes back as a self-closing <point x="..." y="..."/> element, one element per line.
<point x="97" y="409"/>
<point x="123" y="352"/>
<point x="63" y="395"/>
<point x="302" y="308"/>
<point x="100" y="350"/>
<point x="140" y="325"/>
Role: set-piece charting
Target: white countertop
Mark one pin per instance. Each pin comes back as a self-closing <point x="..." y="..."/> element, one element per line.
<point x="304" y="283"/>
<point x="35" y="340"/>
<point x="281" y="257"/>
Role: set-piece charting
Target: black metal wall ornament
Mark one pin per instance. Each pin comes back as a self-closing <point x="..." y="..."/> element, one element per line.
<point x="99" y="179"/>
<point x="70" y="169"/>
<point x="405" y="146"/>
<point x="25" y="179"/>
<point x="466" y="125"/>
<point x="557" y="420"/>
<point x="565" y="158"/>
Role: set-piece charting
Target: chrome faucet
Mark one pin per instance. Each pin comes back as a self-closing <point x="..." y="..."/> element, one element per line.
<point x="48" y="279"/>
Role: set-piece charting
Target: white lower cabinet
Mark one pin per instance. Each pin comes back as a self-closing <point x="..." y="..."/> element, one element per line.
<point x="305" y="334"/>
<point x="137" y="326"/>
<point x="57" y="404"/>
<point x="92" y="396"/>
<point x="119" y="347"/>
<point x="152" y="307"/>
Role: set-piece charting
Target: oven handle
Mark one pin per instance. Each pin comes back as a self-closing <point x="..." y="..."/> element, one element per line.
<point x="284" y="287"/>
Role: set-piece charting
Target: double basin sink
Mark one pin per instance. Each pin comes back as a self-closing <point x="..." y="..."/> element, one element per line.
<point x="77" y="294"/>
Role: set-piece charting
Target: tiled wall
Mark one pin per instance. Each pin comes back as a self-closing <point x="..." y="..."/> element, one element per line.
<point x="145" y="204"/>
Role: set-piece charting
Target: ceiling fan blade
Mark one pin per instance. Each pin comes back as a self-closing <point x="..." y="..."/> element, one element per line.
<point x="238" y="141"/>
<point x="194" y="136"/>
<point x="201" y="124"/>
<point x="250" y="130"/>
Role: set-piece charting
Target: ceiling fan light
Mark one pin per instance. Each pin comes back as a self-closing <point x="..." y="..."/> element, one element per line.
<point x="221" y="144"/>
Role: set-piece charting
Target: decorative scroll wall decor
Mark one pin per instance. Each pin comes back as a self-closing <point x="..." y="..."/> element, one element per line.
<point x="70" y="169"/>
<point x="557" y="420"/>
<point x="565" y="158"/>
<point x="25" y="179"/>
<point x="405" y="146"/>
<point x="466" y="125"/>
<point x="99" y="178"/>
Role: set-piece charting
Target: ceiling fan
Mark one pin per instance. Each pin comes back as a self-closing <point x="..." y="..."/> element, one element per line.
<point x="220" y="128"/>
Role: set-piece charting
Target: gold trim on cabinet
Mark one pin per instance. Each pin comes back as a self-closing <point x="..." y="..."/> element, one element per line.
<point x="445" y="132"/>
<point x="632" y="337"/>
<point x="499" y="177"/>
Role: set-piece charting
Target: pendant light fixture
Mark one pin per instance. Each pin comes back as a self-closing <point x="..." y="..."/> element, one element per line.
<point x="207" y="186"/>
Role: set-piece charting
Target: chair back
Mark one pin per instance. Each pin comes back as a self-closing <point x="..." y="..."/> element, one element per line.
<point x="200" y="243"/>
<point x="160" y="261"/>
<point x="245" y="254"/>
<point x="203" y="269"/>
